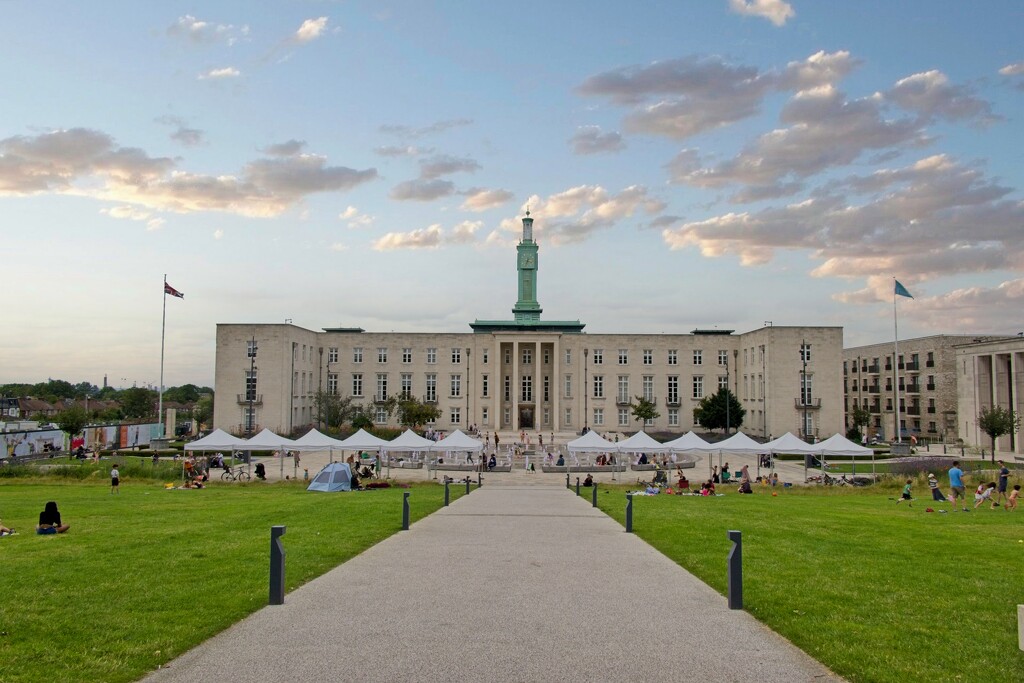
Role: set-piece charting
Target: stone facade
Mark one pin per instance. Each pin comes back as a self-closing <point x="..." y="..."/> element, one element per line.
<point x="990" y="373"/>
<point x="926" y="375"/>
<point x="511" y="381"/>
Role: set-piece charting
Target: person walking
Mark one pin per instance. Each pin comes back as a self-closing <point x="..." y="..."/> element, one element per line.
<point x="956" y="483"/>
<point x="1004" y="480"/>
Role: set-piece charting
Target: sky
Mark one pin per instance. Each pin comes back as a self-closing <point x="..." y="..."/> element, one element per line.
<point x="722" y="163"/>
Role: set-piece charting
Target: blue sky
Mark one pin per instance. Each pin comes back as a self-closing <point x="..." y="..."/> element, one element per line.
<point x="716" y="163"/>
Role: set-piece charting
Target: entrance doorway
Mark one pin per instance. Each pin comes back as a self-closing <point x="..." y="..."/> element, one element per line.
<point x="526" y="417"/>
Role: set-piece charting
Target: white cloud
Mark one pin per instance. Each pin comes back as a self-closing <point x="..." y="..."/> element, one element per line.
<point x="403" y="151"/>
<point x="126" y="212"/>
<point x="574" y="214"/>
<point x="481" y="199"/>
<point x="931" y="219"/>
<point x="431" y="237"/>
<point x="404" y="131"/>
<point x="443" y="164"/>
<point x="1013" y="69"/>
<point x="218" y="234"/>
<point x="183" y="135"/>
<point x="590" y="140"/>
<point x="338" y="246"/>
<point x="311" y="29"/>
<point x="355" y="219"/>
<point x="683" y="97"/>
<point x="201" y="32"/>
<point x="289" y="148"/>
<point x="155" y="224"/>
<point x="88" y="162"/>
<point x="422" y="190"/>
<point x="775" y="11"/>
<point x="931" y="95"/>
<point x="216" y="74"/>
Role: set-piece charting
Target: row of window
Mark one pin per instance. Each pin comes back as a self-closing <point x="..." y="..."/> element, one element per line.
<point x="597" y="355"/>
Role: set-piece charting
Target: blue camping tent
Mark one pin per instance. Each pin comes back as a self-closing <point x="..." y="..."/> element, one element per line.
<point x="337" y="476"/>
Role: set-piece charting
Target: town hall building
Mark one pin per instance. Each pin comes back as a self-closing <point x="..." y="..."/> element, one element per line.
<point x="532" y="374"/>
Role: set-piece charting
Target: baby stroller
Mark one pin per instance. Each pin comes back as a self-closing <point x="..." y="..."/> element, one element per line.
<point x="660" y="477"/>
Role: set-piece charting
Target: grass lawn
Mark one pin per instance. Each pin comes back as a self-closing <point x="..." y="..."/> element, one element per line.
<point x="875" y="591"/>
<point x="147" y="574"/>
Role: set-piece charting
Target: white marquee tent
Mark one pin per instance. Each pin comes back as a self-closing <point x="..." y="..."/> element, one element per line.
<point x="363" y="441"/>
<point x="641" y="442"/>
<point x="688" y="443"/>
<point x="591" y="442"/>
<point x="217" y="440"/>
<point x="457" y="441"/>
<point x="314" y="440"/>
<point x="788" y="443"/>
<point x="266" y="440"/>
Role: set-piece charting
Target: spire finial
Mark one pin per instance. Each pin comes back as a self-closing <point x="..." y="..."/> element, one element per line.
<point x="527" y="210"/>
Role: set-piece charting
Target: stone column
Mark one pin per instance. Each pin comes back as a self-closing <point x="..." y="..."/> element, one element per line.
<point x="515" y="387"/>
<point x="556" y="385"/>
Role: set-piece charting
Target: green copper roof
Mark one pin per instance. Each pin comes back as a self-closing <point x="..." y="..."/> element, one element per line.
<point x="564" y="326"/>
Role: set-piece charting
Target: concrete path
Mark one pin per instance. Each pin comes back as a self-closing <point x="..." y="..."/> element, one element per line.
<point x="510" y="583"/>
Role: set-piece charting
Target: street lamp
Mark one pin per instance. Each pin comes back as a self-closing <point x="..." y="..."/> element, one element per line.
<point x="586" y="352"/>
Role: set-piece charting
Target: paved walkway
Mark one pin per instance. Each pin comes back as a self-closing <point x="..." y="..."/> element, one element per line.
<point x="510" y="583"/>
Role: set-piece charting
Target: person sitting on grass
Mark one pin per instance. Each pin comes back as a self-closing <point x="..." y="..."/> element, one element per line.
<point x="906" y="494"/>
<point x="984" y="493"/>
<point x="50" y="522"/>
<point x="4" y="531"/>
<point x="589" y="481"/>
<point x="1011" y="502"/>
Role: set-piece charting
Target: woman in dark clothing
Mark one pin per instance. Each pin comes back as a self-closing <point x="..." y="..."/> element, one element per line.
<point x="49" y="520"/>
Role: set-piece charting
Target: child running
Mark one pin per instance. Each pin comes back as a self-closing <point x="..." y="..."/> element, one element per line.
<point x="984" y="493"/>
<point x="1011" y="502"/>
<point x="906" y="494"/>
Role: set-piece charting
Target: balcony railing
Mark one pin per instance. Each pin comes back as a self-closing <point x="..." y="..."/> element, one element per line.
<point x="930" y="386"/>
<point x="873" y="368"/>
<point x="874" y="389"/>
<point x="875" y="408"/>
<point x="380" y="398"/>
<point x="929" y="364"/>
<point x="913" y="365"/>
<point x="914" y="388"/>
<point x="673" y="402"/>
<point x="243" y="399"/>
<point x="931" y="409"/>
<point x="812" y="403"/>
<point x="913" y="410"/>
<point x="623" y="400"/>
<point x="430" y="398"/>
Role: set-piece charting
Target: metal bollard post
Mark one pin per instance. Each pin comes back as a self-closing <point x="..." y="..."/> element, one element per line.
<point x="467" y="485"/>
<point x="736" y="570"/>
<point x="629" y="513"/>
<point x="447" y="493"/>
<point x="944" y="449"/>
<point x="577" y="486"/>
<point x="405" y="511"/>
<point x="566" y="476"/>
<point x="276" y="565"/>
<point x="479" y="480"/>
<point x="593" y="496"/>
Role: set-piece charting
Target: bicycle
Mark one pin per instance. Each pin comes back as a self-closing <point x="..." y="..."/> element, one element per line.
<point x="240" y="475"/>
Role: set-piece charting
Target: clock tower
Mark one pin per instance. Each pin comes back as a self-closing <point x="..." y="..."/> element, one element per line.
<point x="527" y="308"/>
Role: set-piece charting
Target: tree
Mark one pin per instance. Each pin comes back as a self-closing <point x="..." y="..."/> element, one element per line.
<point x="414" y="413"/>
<point x="72" y="420"/>
<point x="710" y="413"/>
<point x="362" y="417"/>
<point x="137" y="402"/>
<point x="203" y="410"/>
<point x="859" y="417"/>
<point x="996" y="422"/>
<point x="331" y="409"/>
<point x="644" y="410"/>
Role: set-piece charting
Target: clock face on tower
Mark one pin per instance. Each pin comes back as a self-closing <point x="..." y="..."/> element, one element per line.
<point x="527" y="261"/>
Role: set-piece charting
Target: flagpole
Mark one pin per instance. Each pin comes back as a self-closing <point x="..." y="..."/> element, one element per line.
<point x="896" y="363"/>
<point x="163" y="330"/>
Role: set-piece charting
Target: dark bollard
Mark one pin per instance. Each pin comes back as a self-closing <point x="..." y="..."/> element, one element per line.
<point x="405" y="511"/>
<point x="961" y="451"/>
<point x="479" y="480"/>
<point x="276" y="565"/>
<point x="736" y="570"/>
<point x="593" y="496"/>
<point x="567" y="485"/>
<point x="577" y="486"/>
<point x="447" y="493"/>
<point x="629" y="513"/>
<point x="467" y="486"/>
<point x="944" y="449"/>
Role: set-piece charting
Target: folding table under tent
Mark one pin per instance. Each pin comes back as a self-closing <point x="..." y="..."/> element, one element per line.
<point x="738" y="443"/>
<point x="217" y="440"/>
<point x="408" y="441"/>
<point x="361" y="441"/>
<point x="335" y="476"/>
<point x="641" y="442"/>
<point x="457" y="442"/>
<point x="591" y="442"/>
<point x="688" y="445"/>
<point x="789" y="443"/>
